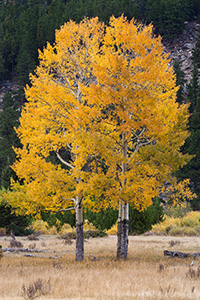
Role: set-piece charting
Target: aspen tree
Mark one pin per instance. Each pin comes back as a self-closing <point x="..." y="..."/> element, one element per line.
<point x="108" y="96"/>
<point x="139" y="125"/>
<point x="52" y="122"/>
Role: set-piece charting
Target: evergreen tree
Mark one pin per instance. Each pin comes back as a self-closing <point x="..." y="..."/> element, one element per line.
<point x="141" y="222"/>
<point x="59" y="219"/>
<point x="8" y="119"/>
<point x="168" y="16"/>
<point x="103" y="219"/>
<point x="27" y="25"/>
<point x="196" y="51"/>
<point x="12" y="221"/>
<point x="180" y="81"/>
<point x="193" y="89"/>
<point x="27" y="56"/>
<point x="192" y="144"/>
<point x="9" y="43"/>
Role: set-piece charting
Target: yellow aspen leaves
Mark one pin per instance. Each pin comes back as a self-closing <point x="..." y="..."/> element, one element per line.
<point x="101" y="119"/>
<point x="140" y="124"/>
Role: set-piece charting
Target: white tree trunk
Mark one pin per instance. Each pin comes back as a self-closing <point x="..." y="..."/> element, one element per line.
<point x="123" y="221"/>
<point x="79" y="230"/>
<point x="120" y="234"/>
<point x="126" y="228"/>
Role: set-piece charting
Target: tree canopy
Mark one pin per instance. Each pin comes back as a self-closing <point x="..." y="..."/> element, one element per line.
<point x="139" y="127"/>
<point x="101" y="124"/>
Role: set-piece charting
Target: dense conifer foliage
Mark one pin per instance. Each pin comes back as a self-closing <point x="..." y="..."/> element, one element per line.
<point x="192" y="145"/>
<point x="11" y="221"/>
<point x="26" y="25"/>
<point x="9" y="118"/>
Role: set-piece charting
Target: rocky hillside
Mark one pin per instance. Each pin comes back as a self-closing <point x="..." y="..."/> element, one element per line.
<point x="182" y="46"/>
<point x="7" y="86"/>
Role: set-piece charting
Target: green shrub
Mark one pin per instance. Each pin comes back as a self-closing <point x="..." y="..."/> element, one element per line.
<point x="104" y="219"/>
<point x="141" y="222"/>
<point x="13" y="222"/>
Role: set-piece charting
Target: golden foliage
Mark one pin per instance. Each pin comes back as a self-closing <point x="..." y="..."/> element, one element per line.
<point x="53" y="121"/>
<point x="179" y="193"/>
<point x="106" y="96"/>
<point x="138" y="125"/>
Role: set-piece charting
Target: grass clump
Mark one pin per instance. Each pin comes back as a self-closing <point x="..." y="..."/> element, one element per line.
<point x="94" y="233"/>
<point x="34" y="236"/>
<point x="2" y="231"/>
<point x="189" y="225"/>
<point x="192" y="219"/>
<point x="36" y="289"/>
<point x="16" y="244"/>
<point x="66" y="228"/>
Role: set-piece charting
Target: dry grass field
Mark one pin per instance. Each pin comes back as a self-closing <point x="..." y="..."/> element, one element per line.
<point x="146" y="274"/>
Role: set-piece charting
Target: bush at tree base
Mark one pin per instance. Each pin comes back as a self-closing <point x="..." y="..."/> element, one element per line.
<point x="12" y="222"/>
<point x="140" y="222"/>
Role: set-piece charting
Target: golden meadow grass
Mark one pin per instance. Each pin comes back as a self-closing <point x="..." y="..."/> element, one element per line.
<point x="146" y="274"/>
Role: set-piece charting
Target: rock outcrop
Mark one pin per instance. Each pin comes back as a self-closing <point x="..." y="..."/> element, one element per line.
<point x="181" y="47"/>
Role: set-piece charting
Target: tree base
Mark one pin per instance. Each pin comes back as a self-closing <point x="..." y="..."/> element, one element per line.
<point x="79" y="242"/>
<point x="122" y="239"/>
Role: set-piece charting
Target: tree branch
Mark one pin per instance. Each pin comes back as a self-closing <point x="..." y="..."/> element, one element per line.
<point x="60" y="210"/>
<point x="63" y="161"/>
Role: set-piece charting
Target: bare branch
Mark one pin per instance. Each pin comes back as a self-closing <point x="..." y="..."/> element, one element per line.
<point x="63" y="161"/>
<point x="139" y="144"/>
<point x="60" y="210"/>
<point x="69" y="147"/>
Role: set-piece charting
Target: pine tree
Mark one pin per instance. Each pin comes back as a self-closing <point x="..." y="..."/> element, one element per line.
<point x="8" y="120"/>
<point x="180" y="81"/>
<point x="192" y="144"/>
<point x="168" y="16"/>
<point x="196" y="51"/>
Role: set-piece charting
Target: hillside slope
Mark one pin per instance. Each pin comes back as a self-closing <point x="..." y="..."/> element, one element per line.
<point x="180" y="48"/>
